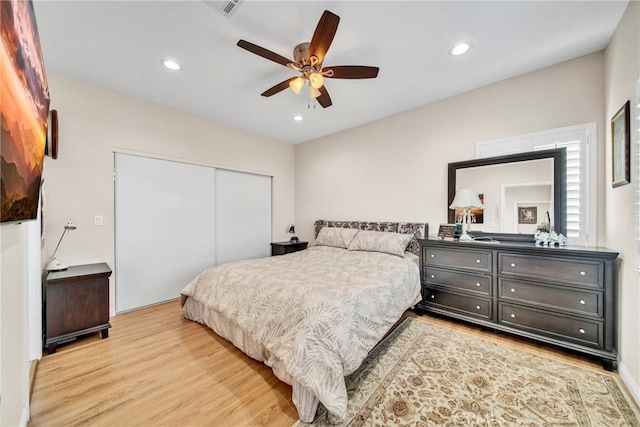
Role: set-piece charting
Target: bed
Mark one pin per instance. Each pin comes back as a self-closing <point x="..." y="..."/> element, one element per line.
<point x="313" y="315"/>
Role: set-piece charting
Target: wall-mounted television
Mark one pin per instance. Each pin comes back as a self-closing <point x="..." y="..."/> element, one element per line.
<point x="24" y="108"/>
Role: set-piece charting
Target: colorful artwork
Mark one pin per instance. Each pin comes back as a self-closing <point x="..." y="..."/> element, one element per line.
<point x="24" y="109"/>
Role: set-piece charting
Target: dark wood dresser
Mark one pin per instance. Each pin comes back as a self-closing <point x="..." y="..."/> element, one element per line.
<point x="76" y="302"/>
<point x="560" y="295"/>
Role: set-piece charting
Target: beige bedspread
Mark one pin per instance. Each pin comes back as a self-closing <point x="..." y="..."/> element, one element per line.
<point x="317" y="312"/>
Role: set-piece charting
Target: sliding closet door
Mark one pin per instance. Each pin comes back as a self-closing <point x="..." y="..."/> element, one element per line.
<point x="243" y="216"/>
<point x="164" y="228"/>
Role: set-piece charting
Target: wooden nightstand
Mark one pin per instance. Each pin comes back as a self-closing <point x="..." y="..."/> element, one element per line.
<point x="76" y="303"/>
<point x="281" y="248"/>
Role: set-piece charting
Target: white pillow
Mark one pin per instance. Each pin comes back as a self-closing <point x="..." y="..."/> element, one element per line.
<point x="335" y="236"/>
<point x="379" y="241"/>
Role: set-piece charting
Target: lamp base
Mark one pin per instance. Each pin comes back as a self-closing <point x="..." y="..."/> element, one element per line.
<point x="294" y="239"/>
<point x="56" y="265"/>
<point x="464" y="237"/>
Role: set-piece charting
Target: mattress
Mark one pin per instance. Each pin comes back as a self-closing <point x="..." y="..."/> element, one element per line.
<point x="312" y="316"/>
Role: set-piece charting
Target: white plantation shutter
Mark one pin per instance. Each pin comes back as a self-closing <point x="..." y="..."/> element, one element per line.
<point x="575" y="187"/>
<point x="580" y="176"/>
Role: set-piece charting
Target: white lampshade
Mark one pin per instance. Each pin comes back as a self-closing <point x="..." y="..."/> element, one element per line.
<point x="466" y="198"/>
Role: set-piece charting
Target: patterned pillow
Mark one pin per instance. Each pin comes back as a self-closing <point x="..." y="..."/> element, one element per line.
<point x="337" y="237"/>
<point x="378" y="241"/>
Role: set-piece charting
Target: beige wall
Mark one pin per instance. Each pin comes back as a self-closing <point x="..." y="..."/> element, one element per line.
<point x="622" y="70"/>
<point x="396" y="168"/>
<point x="93" y="122"/>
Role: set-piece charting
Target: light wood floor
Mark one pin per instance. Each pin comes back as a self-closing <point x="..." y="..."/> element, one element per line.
<point x="158" y="369"/>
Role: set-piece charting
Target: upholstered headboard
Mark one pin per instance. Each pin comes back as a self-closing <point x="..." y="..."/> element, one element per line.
<point x="419" y="229"/>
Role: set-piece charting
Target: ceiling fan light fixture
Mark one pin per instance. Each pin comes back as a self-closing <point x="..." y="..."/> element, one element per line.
<point x="459" y="49"/>
<point x="316" y="80"/>
<point x="313" y="92"/>
<point x="296" y="84"/>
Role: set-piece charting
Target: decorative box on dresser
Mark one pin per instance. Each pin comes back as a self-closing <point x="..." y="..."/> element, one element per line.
<point x="76" y="302"/>
<point x="564" y="296"/>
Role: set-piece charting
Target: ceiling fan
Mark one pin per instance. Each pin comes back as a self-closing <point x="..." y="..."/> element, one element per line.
<point x="308" y="59"/>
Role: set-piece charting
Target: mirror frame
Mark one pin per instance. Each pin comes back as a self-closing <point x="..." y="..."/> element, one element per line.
<point x="559" y="157"/>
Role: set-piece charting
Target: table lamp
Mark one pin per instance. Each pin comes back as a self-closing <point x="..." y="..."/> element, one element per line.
<point x="292" y="230"/>
<point x="465" y="199"/>
<point x="55" y="264"/>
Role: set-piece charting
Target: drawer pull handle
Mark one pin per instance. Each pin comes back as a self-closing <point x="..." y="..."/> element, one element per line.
<point x="433" y="256"/>
<point x="582" y="273"/>
<point x="582" y="331"/>
<point x="582" y="302"/>
<point x="433" y="296"/>
<point x="477" y="284"/>
<point x="513" y="315"/>
<point x="513" y="264"/>
<point x="513" y="289"/>
<point x="478" y="261"/>
<point x="477" y="307"/>
<point x="433" y="275"/>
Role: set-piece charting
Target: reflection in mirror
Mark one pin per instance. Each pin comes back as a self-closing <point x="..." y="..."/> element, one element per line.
<point x="519" y="192"/>
<point x="505" y="187"/>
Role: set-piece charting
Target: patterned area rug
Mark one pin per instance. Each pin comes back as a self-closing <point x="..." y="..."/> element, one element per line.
<point x="426" y="375"/>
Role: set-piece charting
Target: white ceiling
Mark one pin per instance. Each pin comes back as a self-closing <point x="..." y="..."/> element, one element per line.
<point x="119" y="45"/>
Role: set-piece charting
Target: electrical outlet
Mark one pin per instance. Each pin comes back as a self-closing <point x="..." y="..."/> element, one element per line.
<point x="97" y="220"/>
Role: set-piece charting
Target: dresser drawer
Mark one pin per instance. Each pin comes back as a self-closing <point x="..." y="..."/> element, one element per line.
<point x="574" y="271"/>
<point x="464" y="281"/>
<point x="563" y="299"/>
<point x="469" y="305"/>
<point x="580" y="331"/>
<point x="460" y="259"/>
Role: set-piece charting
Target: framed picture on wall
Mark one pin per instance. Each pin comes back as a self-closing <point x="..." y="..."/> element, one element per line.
<point x="620" y="146"/>
<point x="528" y="215"/>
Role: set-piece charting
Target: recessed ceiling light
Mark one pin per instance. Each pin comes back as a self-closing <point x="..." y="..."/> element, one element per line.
<point x="298" y="118"/>
<point x="459" y="49"/>
<point x="171" y="64"/>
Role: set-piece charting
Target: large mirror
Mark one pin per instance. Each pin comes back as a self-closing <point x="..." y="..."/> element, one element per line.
<point x="518" y="191"/>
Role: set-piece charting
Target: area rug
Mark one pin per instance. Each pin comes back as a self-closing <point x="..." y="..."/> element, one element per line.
<point x="429" y="375"/>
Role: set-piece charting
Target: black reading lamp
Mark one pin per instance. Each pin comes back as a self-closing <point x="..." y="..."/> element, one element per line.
<point x="292" y="230"/>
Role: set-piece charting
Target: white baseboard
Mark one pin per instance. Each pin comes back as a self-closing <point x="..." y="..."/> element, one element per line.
<point x="628" y="380"/>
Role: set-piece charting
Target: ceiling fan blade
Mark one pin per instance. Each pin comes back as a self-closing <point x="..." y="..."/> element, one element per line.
<point x="323" y="35"/>
<point x="324" y="99"/>
<point x="265" y="53"/>
<point x="352" y="72"/>
<point x="277" y="88"/>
